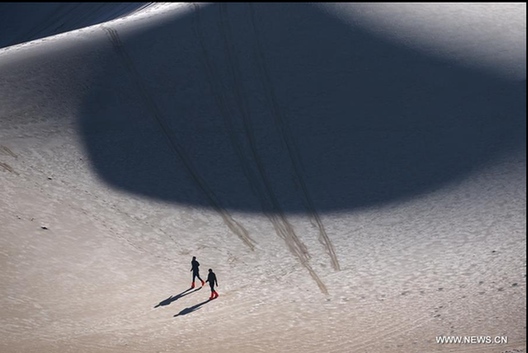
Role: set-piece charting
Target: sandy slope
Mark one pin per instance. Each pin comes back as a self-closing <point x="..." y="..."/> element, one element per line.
<point x="24" y="22"/>
<point x="141" y="142"/>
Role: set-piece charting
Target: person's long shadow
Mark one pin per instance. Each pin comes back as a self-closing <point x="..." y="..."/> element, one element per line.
<point x="171" y="299"/>
<point x="192" y="308"/>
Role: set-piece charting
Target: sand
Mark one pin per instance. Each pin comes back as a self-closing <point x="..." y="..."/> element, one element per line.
<point x="347" y="196"/>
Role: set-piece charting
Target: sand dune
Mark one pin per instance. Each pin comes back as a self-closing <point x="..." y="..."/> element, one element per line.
<point x="355" y="175"/>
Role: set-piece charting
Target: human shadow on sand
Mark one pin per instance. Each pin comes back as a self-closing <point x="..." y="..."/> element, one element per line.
<point x="171" y="299"/>
<point x="192" y="308"/>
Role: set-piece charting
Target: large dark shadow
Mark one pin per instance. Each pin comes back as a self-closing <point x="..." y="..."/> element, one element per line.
<point x="23" y="22"/>
<point x="192" y="309"/>
<point x="171" y="299"/>
<point x="331" y="115"/>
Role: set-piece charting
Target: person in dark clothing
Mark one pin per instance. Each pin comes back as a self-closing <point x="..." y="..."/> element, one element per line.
<point x="211" y="278"/>
<point x="196" y="271"/>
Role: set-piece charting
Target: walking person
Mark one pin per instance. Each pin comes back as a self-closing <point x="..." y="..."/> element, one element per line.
<point x="211" y="278"/>
<point x="196" y="271"/>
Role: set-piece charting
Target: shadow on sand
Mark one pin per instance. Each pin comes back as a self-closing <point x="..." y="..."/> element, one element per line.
<point x="23" y="22"/>
<point x="284" y="108"/>
<point x="171" y="299"/>
<point x="192" y="308"/>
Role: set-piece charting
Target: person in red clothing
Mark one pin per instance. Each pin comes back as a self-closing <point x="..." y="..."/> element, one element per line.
<point x="196" y="271"/>
<point x="211" y="278"/>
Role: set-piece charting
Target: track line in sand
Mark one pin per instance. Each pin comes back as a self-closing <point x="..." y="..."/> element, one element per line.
<point x="173" y="143"/>
<point x="5" y="150"/>
<point x="259" y="184"/>
<point x="287" y="137"/>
